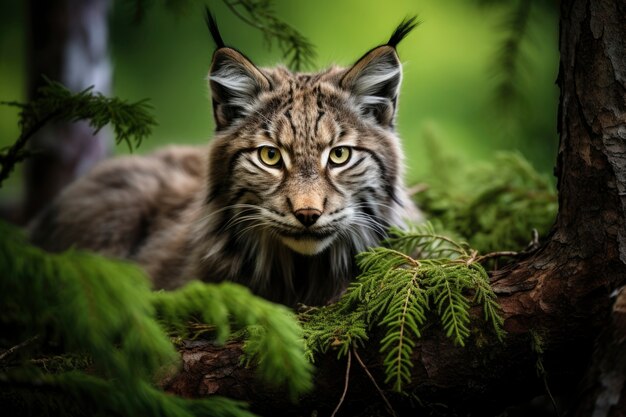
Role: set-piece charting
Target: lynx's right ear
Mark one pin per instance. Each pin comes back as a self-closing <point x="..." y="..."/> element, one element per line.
<point x="234" y="80"/>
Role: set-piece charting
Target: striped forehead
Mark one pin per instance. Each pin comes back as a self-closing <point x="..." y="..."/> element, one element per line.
<point x="304" y="122"/>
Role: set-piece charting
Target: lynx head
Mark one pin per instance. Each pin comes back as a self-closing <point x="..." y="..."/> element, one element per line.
<point x="306" y="161"/>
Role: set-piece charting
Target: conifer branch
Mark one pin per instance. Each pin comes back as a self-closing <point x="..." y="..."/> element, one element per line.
<point x="397" y="292"/>
<point x="131" y="122"/>
<point x="259" y="14"/>
<point x="274" y="341"/>
<point x="510" y="55"/>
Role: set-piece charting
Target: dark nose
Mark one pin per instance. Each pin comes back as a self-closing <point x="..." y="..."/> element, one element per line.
<point x="307" y="216"/>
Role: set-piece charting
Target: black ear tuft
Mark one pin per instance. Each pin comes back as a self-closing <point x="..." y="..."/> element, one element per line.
<point x="215" y="32"/>
<point x="403" y="29"/>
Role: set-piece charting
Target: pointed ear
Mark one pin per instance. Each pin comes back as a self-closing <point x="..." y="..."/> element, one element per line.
<point x="374" y="82"/>
<point x="235" y="86"/>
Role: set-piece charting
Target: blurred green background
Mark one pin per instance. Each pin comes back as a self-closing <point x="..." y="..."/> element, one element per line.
<point x="450" y="71"/>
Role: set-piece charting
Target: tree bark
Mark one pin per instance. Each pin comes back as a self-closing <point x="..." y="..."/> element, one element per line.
<point x="67" y="43"/>
<point x="563" y="293"/>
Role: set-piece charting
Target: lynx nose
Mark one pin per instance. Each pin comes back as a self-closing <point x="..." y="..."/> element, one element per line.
<point x="307" y="216"/>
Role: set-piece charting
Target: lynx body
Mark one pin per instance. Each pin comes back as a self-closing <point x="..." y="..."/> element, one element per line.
<point x="304" y="171"/>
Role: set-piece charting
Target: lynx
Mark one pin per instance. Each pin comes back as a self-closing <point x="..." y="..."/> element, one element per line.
<point x="303" y="173"/>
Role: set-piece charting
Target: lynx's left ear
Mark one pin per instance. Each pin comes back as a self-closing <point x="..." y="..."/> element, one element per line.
<point x="375" y="79"/>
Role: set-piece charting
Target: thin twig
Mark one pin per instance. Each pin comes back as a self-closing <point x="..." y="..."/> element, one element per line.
<point x="410" y="260"/>
<point x="258" y="15"/>
<point x="345" y="387"/>
<point x="236" y="12"/>
<point x="12" y="155"/>
<point x="380" y="391"/>
<point x="554" y="405"/>
<point x="456" y="247"/>
<point x="15" y="348"/>
<point x="495" y="255"/>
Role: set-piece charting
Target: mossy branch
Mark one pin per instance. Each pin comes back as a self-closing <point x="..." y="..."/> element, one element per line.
<point x="274" y="339"/>
<point x="104" y="312"/>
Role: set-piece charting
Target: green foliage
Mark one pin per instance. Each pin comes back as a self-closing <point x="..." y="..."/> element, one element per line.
<point x="274" y="341"/>
<point x="333" y="327"/>
<point x="493" y="206"/>
<point x="85" y="303"/>
<point x="130" y="121"/>
<point x="422" y="277"/>
<point x="77" y="393"/>
<point x="259" y="14"/>
<point x="54" y="102"/>
<point x="297" y="49"/>
<point x="399" y="293"/>
<point x="510" y="58"/>
<point x="103" y="313"/>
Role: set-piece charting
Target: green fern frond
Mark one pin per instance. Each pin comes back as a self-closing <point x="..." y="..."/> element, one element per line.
<point x="397" y="292"/>
<point x="446" y="290"/>
<point x="405" y="316"/>
<point x="484" y="296"/>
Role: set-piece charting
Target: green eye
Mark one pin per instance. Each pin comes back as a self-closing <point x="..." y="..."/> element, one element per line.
<point x="269" y="155"/>
<point x="339" y="155"/>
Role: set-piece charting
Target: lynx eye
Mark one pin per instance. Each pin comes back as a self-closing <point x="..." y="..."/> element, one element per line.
<point x="270" y="156"/>
<point x="339" y="155"/>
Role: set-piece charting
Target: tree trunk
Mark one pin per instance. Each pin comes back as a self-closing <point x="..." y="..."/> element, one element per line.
<point x="562" y="294"/>
<point x="67" y="43"/>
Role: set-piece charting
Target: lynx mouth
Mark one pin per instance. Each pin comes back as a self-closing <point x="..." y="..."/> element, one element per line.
<point x="307" y="245"/>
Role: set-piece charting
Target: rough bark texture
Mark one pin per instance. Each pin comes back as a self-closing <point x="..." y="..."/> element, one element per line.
<point x="564" y="292"/>
<point x="67" y="43"/>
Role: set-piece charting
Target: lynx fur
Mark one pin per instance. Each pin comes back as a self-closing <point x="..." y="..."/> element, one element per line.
<point x="303" y="173"/>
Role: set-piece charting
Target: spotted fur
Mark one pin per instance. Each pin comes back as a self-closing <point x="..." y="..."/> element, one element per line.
<point x="289" y="231"/>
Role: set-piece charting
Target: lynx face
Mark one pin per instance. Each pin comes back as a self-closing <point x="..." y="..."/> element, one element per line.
<point x="309" y="159"/>
<point x="305" y="171"/>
